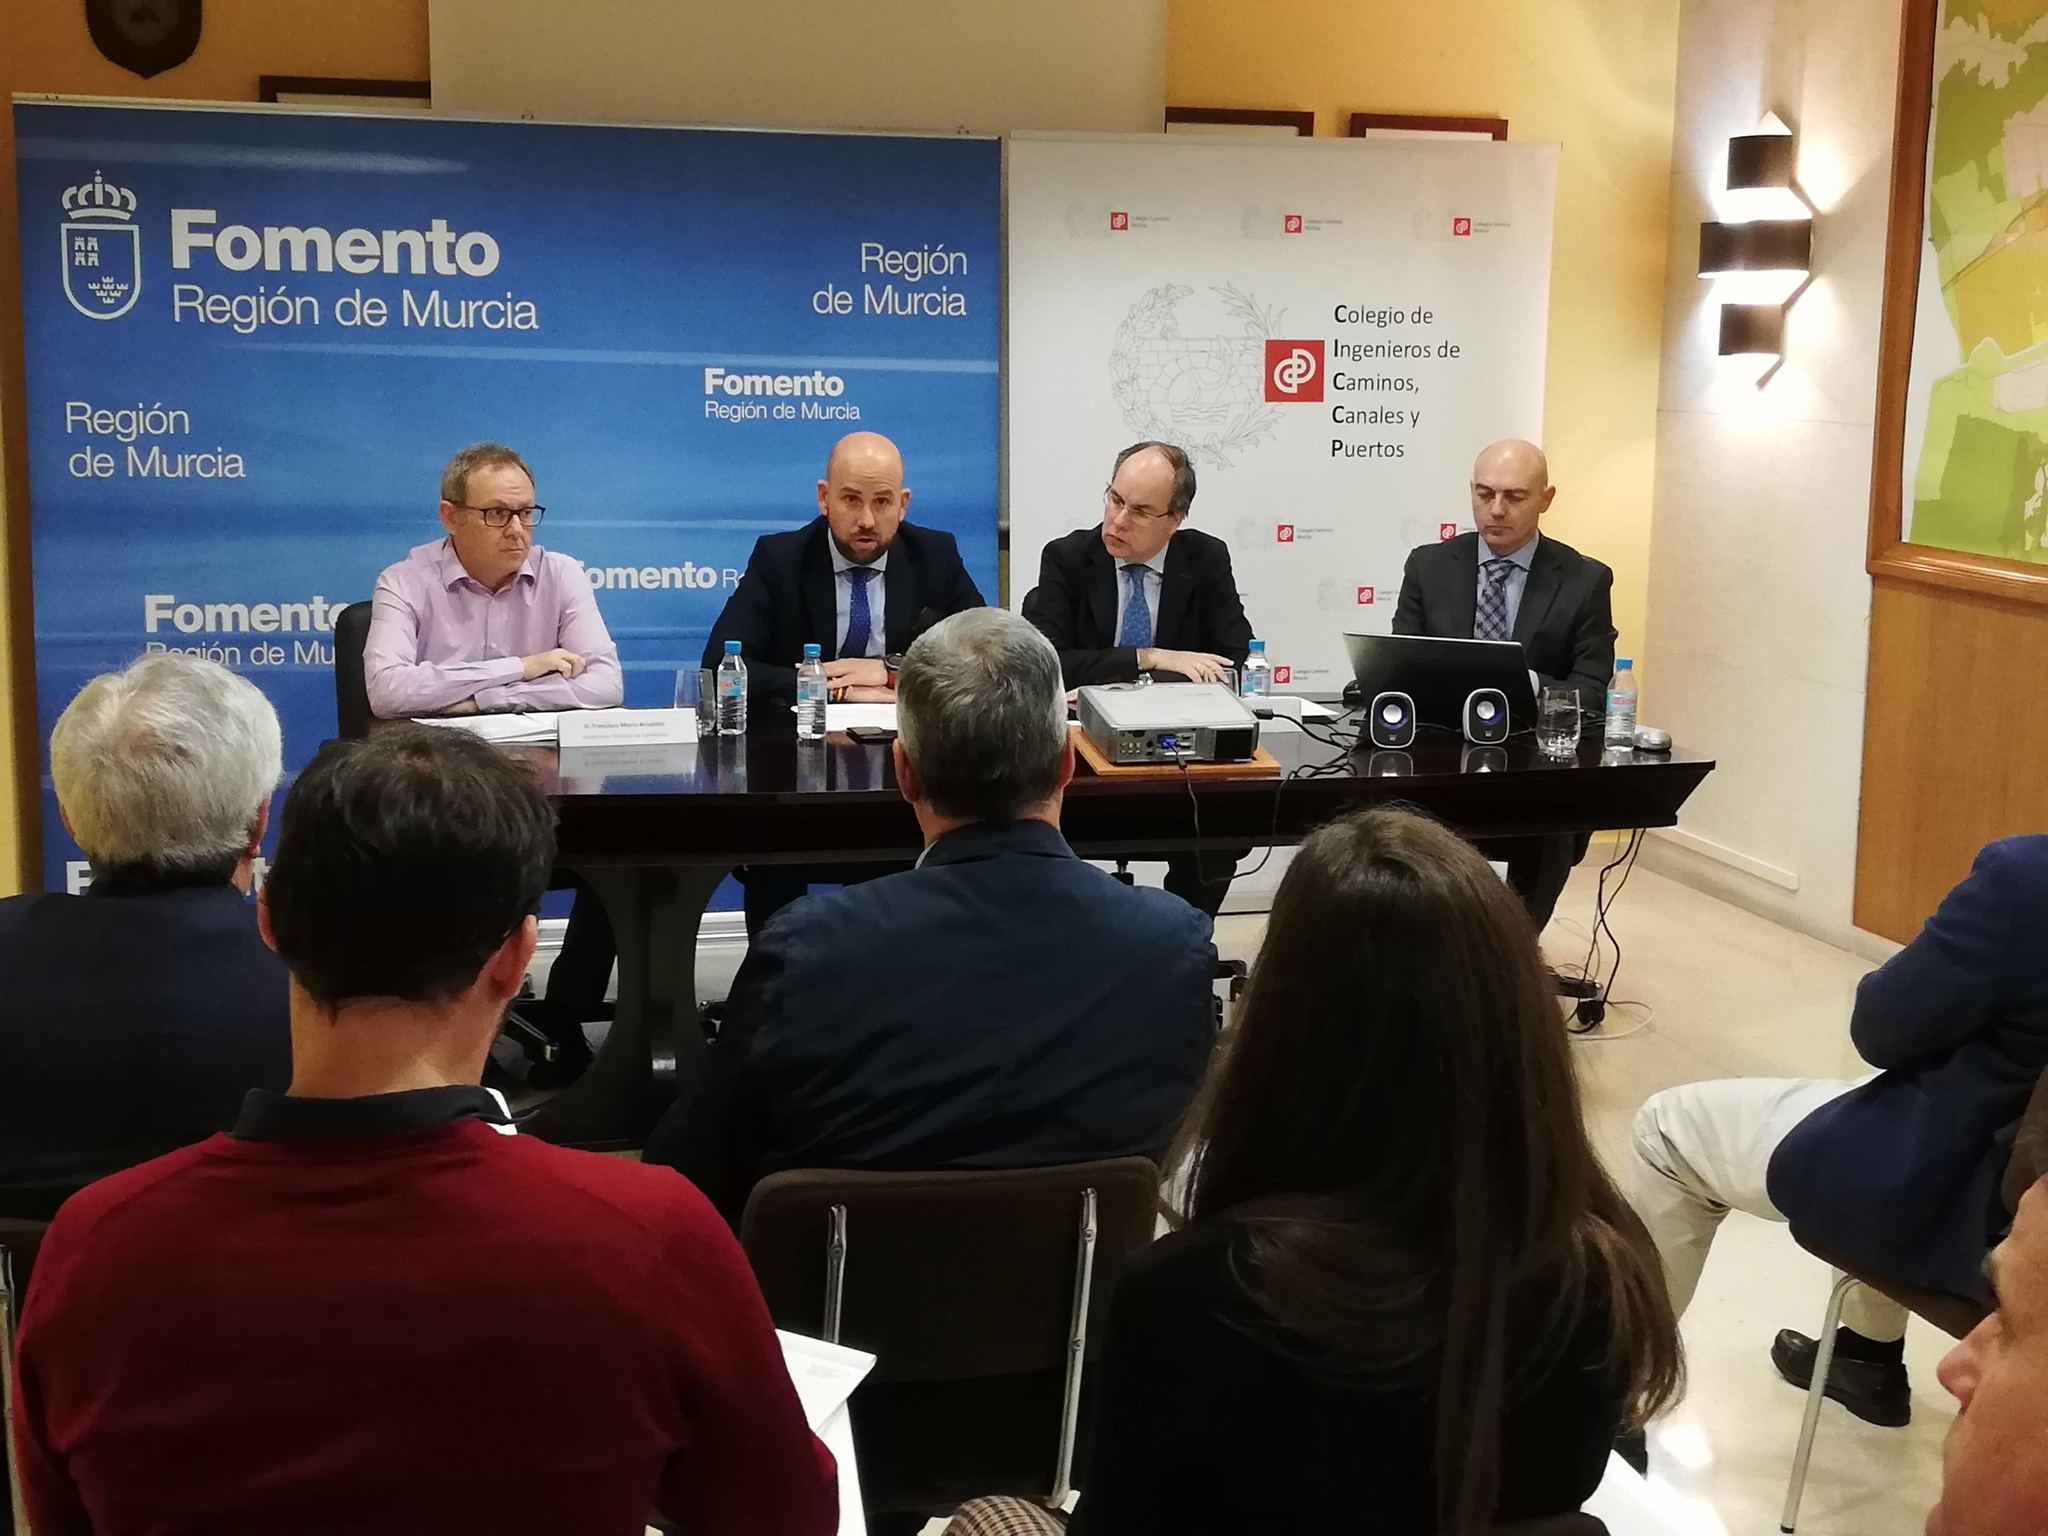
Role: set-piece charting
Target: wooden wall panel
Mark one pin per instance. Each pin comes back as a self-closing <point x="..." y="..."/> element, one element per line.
<point x="1955" y="744"/>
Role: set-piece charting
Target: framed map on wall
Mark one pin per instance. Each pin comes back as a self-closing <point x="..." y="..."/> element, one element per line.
<point x="1960" y="484"/>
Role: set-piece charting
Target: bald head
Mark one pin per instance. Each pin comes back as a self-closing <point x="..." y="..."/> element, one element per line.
<point x="862" y="495"/>
<point x="1511" y="489"/>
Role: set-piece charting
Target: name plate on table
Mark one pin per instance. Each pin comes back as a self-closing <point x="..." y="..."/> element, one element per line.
<point x="626" y="727"/>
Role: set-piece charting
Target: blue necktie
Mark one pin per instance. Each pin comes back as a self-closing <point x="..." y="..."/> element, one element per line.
<point x="1491" y="620"/>
<point x="1136" y="629"/>
<point x="859" y="626"/>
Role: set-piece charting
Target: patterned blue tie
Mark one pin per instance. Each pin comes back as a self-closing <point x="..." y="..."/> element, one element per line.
<point x="859" y="626"/>
<point x="1491" y="620"/>
<point x="1137" y="625"/>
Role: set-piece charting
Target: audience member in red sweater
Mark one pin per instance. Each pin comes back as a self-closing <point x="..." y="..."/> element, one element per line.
<point x="366" y="1308"/>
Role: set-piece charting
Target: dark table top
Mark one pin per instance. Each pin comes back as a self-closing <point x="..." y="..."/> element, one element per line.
<point x="767" y="797"/>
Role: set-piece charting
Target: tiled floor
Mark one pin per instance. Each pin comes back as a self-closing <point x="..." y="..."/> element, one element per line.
<point x="1735" y="995"/>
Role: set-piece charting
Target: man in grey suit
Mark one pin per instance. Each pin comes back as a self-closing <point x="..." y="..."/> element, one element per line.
<point x="1508" y="582"/>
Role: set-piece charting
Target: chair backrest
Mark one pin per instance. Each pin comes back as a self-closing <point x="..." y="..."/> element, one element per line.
<point x="2029" y="1148"/>
<point x="19" y="1240"/>
<point x="351" y="691"/>
<point x="948" y="1276"/>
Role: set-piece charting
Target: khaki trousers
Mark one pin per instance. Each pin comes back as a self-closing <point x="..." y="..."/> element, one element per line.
<point x="1701" y="1150"/>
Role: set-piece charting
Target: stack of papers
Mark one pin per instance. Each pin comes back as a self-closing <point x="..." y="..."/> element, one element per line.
<point x="537" y="729"/>
<point x="825" y="1376"/>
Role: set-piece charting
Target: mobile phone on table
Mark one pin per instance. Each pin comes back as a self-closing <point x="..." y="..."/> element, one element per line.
<point x="870" y="735"/>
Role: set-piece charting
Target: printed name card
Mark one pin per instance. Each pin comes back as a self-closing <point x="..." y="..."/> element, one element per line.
<point x="627" y="727"/>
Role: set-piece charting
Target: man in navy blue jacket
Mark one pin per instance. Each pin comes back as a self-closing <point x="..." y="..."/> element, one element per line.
<point x="1001" y="1005"/>
<point x="1898" y="1172"/>
<point x="134" y="1018"/>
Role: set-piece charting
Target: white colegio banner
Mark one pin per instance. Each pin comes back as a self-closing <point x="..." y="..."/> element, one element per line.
<point x="1332" y="328"/>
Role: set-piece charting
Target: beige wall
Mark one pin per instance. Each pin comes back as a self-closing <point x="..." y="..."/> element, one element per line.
<point x="930" y="65"/>
<point x="1596" y="76"/>
<point x="1759" y="605"/>
<point x="44" y="47"/>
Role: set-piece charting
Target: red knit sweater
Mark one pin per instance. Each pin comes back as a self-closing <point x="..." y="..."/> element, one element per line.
<point x="441" y="1331"/>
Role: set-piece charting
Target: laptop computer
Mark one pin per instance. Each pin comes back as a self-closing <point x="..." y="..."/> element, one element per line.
<point x="1439" y="674"/>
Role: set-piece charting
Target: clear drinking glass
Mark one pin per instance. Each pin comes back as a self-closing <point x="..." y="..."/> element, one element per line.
<point x="697" y="690"/>
<point x="1557" y="722"/>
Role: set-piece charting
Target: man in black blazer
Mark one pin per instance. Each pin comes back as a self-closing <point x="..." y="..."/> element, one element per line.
<point x="135" y="1017"/>
<point x="1003" y="1004"/>
<point x="1508" y="582"/>
<point x="860" y="583"/>
<point x="1900" y="1172"/>
<point x="1142" y="592"/>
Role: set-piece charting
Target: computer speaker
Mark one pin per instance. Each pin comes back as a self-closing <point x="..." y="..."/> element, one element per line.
<point x="1486" y="716"/>
<point x="1391" y="720"/>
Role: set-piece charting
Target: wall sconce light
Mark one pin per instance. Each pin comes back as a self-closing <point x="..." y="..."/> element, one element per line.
<point x="1760" y="251"/>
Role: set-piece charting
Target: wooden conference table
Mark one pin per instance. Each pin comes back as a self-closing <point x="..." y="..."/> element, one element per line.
<point x="655" y="829"/>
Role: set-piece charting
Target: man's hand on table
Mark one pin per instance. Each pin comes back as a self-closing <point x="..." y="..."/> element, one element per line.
<point x="1196" y="666"/>
<point x="466" y="707"/>
<point x="869" y="672"/>
<point x="568" y="663"/>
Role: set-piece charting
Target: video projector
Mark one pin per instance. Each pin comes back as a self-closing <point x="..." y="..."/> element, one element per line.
<point x="1169" y="723"/>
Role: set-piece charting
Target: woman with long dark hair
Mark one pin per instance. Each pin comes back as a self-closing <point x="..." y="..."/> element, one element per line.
<point x="1407" y="1299"/>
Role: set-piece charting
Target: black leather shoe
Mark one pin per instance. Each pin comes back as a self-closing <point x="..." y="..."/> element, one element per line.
<point x="1876" y="1392"/>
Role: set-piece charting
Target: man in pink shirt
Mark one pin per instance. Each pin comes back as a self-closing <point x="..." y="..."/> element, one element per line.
<point x="486" y="620"/>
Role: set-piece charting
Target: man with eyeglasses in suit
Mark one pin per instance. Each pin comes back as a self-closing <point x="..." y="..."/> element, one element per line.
<point x="485" y="620"/>
<point x="1140" y="593"/>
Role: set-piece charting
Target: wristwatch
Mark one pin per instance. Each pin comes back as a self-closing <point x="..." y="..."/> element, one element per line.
<point x="895" y="665"/>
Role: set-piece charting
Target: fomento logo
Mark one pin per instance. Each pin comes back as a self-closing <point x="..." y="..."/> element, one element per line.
<point x="102" y="249"/>
<point x="1294" y="370"/>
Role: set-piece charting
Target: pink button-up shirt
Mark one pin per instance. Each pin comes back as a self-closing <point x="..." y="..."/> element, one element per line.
<point x="439" y="636"/>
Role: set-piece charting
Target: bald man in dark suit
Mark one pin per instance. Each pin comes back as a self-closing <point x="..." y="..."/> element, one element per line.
<point x="1508" y="582"/>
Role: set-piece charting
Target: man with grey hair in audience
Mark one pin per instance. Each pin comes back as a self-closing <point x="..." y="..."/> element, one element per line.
<point x="1002" y="1005"/>
<point x="134" y="1018"/>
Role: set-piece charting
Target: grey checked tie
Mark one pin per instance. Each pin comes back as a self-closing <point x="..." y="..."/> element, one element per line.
<point x="1491" y="620"/>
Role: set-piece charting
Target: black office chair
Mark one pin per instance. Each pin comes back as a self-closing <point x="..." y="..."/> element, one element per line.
<point x="351" y="691"/>
<point x="978" y="1292"/>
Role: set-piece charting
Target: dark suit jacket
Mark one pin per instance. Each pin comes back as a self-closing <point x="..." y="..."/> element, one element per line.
<point x="786" y="600"/>
<point x="1902" y="1173"/>
<point x="1565" y="623"/>
<point x="1074" y="605"/>
<point x="1004" y="1005"/>
<point x="130" y="1024"/>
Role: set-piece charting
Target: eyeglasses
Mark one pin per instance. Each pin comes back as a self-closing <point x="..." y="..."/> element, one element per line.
<point x="1116" y="503"/>
<point x="498" y="517"/>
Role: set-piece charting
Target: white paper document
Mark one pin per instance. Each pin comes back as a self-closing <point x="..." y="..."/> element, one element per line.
<point x="536" y="729"/>
<point x="825" y="1376"/>
<point x="1630" y="1506"/>
<point x="839" y="717"/>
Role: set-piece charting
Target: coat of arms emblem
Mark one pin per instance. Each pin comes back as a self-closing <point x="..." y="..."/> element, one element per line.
<point x="102" y="249"/>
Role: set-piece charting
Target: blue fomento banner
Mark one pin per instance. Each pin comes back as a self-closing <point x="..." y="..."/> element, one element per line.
<point x="254" y="338"/>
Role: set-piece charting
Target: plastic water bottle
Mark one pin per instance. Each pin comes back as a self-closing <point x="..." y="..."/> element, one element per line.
<point x="811" y="689"/>
<point x="1255" y="681"/>
<point x="1621" y="705"/>
<point x="732" y="692"/>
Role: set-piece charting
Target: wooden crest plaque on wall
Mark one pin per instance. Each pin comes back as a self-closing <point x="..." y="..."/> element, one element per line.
<point x="144" y="36"/>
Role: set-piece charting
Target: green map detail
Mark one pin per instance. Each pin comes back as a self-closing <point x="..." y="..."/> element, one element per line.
<point x="1984" y="461"/>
